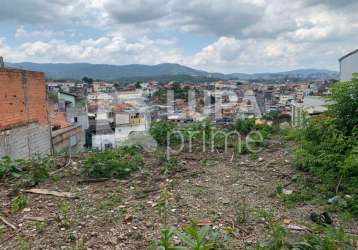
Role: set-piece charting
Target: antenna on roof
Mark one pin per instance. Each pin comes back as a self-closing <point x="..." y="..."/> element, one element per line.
<point x="2" y="64"/>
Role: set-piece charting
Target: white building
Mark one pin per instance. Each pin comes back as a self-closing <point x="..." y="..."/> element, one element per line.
<point x="284" y="99"/>
<point x="100" y="97"/>
<point x="348" y="65"/>
<point x="312" y="105"/>
<point x="128" y="122"/>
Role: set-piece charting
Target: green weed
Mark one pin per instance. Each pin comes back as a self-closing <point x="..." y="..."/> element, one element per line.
<point x="40" y="227"/>
<point x="116" y="163"/>
<point x="26" y="172"/>
<point x="19" y="203"/>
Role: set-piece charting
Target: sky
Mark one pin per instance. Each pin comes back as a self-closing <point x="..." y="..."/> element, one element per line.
<point x="225" y="36"/>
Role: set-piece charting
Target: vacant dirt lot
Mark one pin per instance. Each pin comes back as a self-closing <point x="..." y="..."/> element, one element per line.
<point x="212" y="188"/>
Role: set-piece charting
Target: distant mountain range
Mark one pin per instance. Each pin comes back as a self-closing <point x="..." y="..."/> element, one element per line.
<point x="137" y="71"/>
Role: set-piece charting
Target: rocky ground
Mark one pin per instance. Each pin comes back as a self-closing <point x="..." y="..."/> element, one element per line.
<point x="215" y="189"/>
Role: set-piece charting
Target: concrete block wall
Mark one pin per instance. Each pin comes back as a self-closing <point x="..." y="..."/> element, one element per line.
<point x="22" y="142"/>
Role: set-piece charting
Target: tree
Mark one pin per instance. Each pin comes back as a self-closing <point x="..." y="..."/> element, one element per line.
<point x="138" y="86"/>
<point x="87" y="80"/>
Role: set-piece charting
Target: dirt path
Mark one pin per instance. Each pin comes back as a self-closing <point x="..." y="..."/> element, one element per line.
<point x="211" y="188"/>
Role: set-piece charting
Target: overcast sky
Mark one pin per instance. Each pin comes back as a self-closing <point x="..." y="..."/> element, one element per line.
<point x="215" y="35"/>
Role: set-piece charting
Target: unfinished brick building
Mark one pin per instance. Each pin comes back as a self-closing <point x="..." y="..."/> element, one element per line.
<point x="24" y="123"/>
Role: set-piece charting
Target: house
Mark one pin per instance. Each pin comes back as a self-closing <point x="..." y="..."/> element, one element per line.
<point x="24" y="123"/>
<point x="312" y="105"/>
<point x="128" y="120"/>
<point x="100" y="134"/>
<point x="73" y="111"/>
<point x="66" y="100"/>
<point x="348" y="65"/>
<point x="102" y="137"/>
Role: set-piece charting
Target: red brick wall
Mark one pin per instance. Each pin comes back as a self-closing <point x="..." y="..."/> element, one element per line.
<point x="22" y="98"/>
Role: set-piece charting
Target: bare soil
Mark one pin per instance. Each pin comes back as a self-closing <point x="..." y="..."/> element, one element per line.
<point x="122" y="214"/>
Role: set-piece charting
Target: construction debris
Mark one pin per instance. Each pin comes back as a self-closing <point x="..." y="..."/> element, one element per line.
<point x="49" y="192"/>
<point x="6" y="222"/>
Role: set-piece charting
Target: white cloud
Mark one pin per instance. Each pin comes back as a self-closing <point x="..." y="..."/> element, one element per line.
<point x="233" y="55"/>
<point x="22" y="33"/>
<point x="109" y="49"/>
<point x="250" y="35"/>
<point x="136" y="11"/>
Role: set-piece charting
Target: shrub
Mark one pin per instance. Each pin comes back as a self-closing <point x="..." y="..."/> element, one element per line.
<point x="160" y="130"/>
<point x="112" y="163"/>
<point x="328" y="144"/>
<point x="9" y="168"/>
<point x="244" y="126"/>
<point x="26" y="172"/>
<point x="345" y="105"/>
<point x="37" y="169"/>
<point x="265" y="129"/>
<point x="326" y="152"/>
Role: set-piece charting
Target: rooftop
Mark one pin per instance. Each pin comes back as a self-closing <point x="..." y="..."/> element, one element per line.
<point x="347" y="55"/>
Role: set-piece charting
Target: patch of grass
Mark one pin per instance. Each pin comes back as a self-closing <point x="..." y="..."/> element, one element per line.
<point x="198" y="192"/>
<point x="254" y="156"/>
<point x="64" y="209"/>
<point x="169" y="165"/>
<point x="116" y="163"/>
<point x="79" y="245"/>
<point x="40" y="227"/>
<point x="307" y="190"/>
<point x="292" y="200"/>
<point x="278" y="234"/>
<point x="242" y="211"/>
<point x="22" y="244"/>
<point x="327" y="238"/>
<point x="347" y="205"/>
<point x="2" y="229"/>
<point x="19" y="203"/>
<point x="320" y="237"/>
<point x="111" y="202"/>
<point x="204" y="162"/>
<point x="163" y="206"/>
